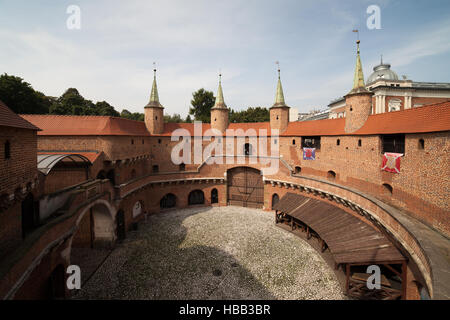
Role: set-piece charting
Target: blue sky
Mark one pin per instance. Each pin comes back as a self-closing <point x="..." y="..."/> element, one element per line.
<point x="110" y="58"/>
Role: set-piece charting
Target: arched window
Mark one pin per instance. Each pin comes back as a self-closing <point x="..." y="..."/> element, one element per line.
<point x="293" y="141"/>
<point x="359" y="143"/>
<point x="331" y="175"/>
<point x="421" y="144"/>
<point x="387" y="189"/>
<point x="196" y="197"/>
<point x="298" y="169"/>
<point x="338" y="142"/>
<point x="182" y="167"/>
<point x="275" y="199"/>
<point x="214" y="196"/>
<point x="7" y="149"/>
<point x="394" y="105"/>
<point x="168" y="201"/>
<point x="248" y="149"/>
<point x="155" y="168"/>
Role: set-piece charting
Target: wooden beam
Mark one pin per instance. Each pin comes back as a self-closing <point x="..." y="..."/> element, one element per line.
<point x="404" y="272"/>
<point x="347" y="276"/>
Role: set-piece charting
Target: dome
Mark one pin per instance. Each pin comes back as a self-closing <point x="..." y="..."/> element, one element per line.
<point x="382" y="71"/>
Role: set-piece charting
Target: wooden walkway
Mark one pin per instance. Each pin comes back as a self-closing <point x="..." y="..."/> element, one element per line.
<point x="350" y="240"/>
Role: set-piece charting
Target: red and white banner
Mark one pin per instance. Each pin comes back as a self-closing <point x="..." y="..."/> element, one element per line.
<point x="391" y="162"/>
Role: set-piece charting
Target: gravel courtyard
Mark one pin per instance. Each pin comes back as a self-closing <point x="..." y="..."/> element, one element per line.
<point x="212" y="253"/>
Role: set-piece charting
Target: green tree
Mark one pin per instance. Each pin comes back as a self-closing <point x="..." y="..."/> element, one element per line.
<point x="21" y="97"/>
<point x="105" y="109"/>
<point x="257" y="114"/>
<point x="132" y="116"/>
<point x="175" y="118"/>
<point x="202" y="102"/>
<point x="188" y="119"/>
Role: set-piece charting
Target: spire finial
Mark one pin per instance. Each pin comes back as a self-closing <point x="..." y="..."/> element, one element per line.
<point x="358" y="80"/>
<point x="381" y="59"/>
<point x="278" y="64"/>
<point x="279" y="97"/>
<point x="220" y="103"/>
<point x="154" y="97"/>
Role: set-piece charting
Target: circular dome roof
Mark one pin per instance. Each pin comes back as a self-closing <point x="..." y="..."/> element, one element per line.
<point x="382" y="71"/>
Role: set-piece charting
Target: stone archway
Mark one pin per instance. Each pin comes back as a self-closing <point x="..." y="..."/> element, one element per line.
<point x="245" y="187"/>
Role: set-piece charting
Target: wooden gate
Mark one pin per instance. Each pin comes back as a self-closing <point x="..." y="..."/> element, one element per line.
<point x="245" y="187"/>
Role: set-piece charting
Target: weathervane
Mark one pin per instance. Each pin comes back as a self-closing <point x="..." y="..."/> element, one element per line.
<point x="154" y="67"/>
<point x="357" y="35"/>
<point x="278" y="64"/>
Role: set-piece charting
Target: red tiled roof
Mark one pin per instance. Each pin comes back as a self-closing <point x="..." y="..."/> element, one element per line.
<point x="430" y="118"/>
<point x="58" y="125"/>
<point x="10" y="119"/>
<point x="171" y="127"/>
<point x="325" y="127"/>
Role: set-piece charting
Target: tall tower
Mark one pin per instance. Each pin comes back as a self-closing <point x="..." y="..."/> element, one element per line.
<point x="219" y="113"/>
<point x="279" y="112"/>
<point x="358" y="102"/>
<point x="154" y="111"/>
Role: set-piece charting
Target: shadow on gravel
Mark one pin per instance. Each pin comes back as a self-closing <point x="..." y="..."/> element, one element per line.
<point x="155" y="266"/>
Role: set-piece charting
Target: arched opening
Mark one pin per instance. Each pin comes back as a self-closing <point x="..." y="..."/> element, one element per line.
<point x="359" y="142"/>
<point x="247" y="149"/>
<point x="93" y="240"/>
<point x="155" y="168"/>
<point x="57" y="283"/>
<point x="29" y="219"/>
<point x="338" y="142"/>
<point x="168" y="201"/>
<point x="101" y="174"/>
<point x="196" y="197"/>
<point x="182" y="167"/>
<point x="275" y="199"/>
<point x="111" y="176"/>
<point x="331" y="175"/>
<point x="298" y="169"/>
<point x="120" y="221"/>
<point x="214" y="196"/>
<point x="387" y="189"/>
<point x="137" y="209"/>
<point x="7" y="149"/>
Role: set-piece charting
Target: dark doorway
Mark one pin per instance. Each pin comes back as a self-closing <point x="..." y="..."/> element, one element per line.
<point x="57" y="285"/>
<point x="275" y="199"/>
<point x="28" y="216"/>
<point x="214" y="196"/>
<point x="111" y="176"/>
<point x="248" y="149"/>
<point x="196" y="197"/>
<point x="120" y="218"/>
<point x="168" y="201"/>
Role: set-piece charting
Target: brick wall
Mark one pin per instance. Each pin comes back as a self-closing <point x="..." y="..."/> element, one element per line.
<point x="20" y="168"/>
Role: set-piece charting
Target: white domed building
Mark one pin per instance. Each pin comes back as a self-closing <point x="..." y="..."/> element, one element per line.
<point x="394" y="94"/>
